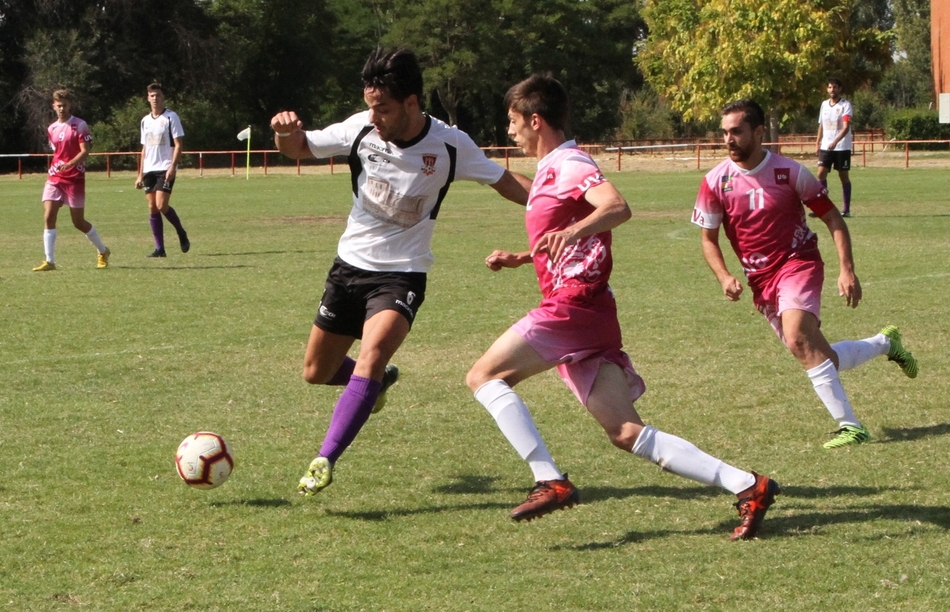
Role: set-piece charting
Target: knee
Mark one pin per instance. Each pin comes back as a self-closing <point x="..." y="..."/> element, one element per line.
<point x="313" y="375"/>
<point x="625" y="436"/>
<point x="474" y="379"/>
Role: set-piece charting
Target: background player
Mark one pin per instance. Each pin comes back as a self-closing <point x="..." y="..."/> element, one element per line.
<point x="758" y="196"/>
<point x="834" y="141"/>
<point x="402" y="163"/>
<point x="70" y="139"/>
<point x="161" y="136"/>
<point x="570" y="212"/>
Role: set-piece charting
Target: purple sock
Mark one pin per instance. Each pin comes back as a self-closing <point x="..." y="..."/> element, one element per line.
<point x="351" y="412"/>
<point x="172" y="217"/>
<point x="846" y="192"/>
<point x="158" y="230"/>
<point x="342" y="375"/>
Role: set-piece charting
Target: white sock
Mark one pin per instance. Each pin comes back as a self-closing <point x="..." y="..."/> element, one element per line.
<point x="516" y="424"/>
<point x="684" y="459"/>
<point x="49" y="244"/>
<point x="828" y="386"/>
<point x="94" y="238"/>
<point x="852" y="353"/>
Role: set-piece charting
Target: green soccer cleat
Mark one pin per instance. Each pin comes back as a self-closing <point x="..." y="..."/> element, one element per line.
<point x="103" y="261"/>
<point x="390" y="376"/>
<point x="45" y="267"/>
<point x="898" y="354"/>
<point x="319" y="476"/>
<point x="848" y="434"/>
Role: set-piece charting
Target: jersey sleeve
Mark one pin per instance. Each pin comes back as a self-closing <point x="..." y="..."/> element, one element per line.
<point x="847" y="111"/>
<point x="812" y="193"/>
<point x="472" y="164"/>
<point x="578" y="174"/>
<point x="336" y="139"/>
<point x="708" y="210"/>
<point x="85" y="135"/>
<point x="178" y="131"/>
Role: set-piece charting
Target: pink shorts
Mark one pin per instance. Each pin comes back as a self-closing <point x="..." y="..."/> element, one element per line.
<point x="579" y="336"/>
<point x="797" y="285"/>
<point x="72" y="194"/>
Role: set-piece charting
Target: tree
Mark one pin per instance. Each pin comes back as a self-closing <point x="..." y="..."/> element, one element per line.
<point x="701" y="55"/>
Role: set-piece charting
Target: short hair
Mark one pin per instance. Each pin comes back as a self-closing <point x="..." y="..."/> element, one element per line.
<point x="752" y="113"/>
<point x="543" y="96"/>
<point x="155" y="86"/>
<point x="834" y="81"/>
<point x="395" y="71"/>
<point x="63" y="95"/>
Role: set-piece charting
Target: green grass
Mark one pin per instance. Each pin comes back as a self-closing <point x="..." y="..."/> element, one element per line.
<point x="103" y="372"/>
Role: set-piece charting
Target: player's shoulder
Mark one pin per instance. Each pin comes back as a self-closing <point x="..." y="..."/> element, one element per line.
<point x="451" y="134"/>
<point x="723" y="167"/>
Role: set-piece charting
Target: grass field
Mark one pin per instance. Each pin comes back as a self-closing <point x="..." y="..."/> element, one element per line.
<point x="103" y="372"/>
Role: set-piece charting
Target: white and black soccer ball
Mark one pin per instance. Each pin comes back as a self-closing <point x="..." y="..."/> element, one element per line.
<point x="204" y="460"/>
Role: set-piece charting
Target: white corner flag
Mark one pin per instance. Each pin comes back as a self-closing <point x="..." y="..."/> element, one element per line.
<point x="245" y="134"/>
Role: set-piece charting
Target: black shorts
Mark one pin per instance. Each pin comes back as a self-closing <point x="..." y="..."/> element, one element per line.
<point x="155" y="181"/>
<point x="352" y="296"/>
<point x="834" y="160"/>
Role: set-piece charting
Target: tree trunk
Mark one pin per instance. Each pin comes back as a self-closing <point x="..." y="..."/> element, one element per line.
<point x="449" y="103"/>
<point x="773" y="129"/>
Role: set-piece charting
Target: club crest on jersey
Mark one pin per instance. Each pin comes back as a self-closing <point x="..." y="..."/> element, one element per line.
<point x="781" y="176"/>
<point x="428" y="164"/>
<point x="726" y="183"/>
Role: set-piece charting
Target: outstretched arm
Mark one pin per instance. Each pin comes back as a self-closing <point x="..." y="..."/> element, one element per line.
<point x="288" y="135"/>
<point x="513" y="186"/>
<point x="503" y="259"/>
<point x="712" y="253"/>
<point x="848" y="284"/>
<point x="610" y="210"/>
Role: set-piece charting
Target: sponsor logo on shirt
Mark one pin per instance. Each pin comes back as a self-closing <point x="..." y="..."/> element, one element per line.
<point x="781" y="176"/>
<point x="428" y="164"/>
<point x="726" y="183"/>
<point x="376" y="159"/>
<point x="380" y="148"/>
<point x="591" y="181"/>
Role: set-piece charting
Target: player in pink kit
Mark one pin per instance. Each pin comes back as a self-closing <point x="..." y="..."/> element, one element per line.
<point x="69" y="139"/>
<point x="570" y="213"/>
<point x="758" y="197"/>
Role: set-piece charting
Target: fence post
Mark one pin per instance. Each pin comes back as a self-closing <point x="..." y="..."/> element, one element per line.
<point x="232" y="163"/>
<point x="201" y="164"/>
<point x="265" y="163"/>
<point x="698" y="149"/>
<point x="906" y="154"/>
<point x="619" y="153"/>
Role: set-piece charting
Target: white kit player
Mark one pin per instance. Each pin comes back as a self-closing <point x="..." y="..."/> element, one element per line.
<point x="161" y="137"/>
<point x="835" y="141"/>
<point x="69" y="138"/>
<point x="759" y="198"/>
<point x="571" y="211"/>
<point x="402" y="163"/>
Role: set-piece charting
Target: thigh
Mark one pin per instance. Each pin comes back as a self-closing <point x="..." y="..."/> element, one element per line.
<point x="803" y="337"/>
<point x="509" y="358"/>
<point x="610" y="404"/>
<point x="325" y="353"/>
<point x="383" y="334"/>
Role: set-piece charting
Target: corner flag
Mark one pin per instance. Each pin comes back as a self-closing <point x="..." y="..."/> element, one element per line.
<point x="245" y="134"/>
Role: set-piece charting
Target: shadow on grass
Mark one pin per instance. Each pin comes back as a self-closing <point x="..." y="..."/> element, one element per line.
<point x="467" y="483"/>
<point x="906" y="434"/>
<point x="176" y="268"/>
<point x="283" y="252"/>
<point x="260" y="503"/>
<point x="385" y="515"/>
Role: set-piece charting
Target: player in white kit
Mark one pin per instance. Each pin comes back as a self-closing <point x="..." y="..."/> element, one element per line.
<point x="571" y="210"/>
<point x="69" y="138"/>
<point x="759" y="199"/>
<point x="402" y="163"/>
<point x="834" y="141"/>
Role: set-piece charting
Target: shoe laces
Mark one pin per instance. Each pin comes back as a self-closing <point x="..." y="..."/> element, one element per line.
<point x="539" y="491"/>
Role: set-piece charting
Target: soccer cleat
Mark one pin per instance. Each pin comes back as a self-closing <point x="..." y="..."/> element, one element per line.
<point x="46" y="266"/>
<point x="846" y="215"/>
<point x="898" y="354"/>
<point x="157" y="253"/>
<point x="103" y="261"/>
<point x="753" y="503"/>
<point x="390" y="376"/>
<point x="848" y="434"/>
<point x="319" y="476"/>
<point x="547" y="496"/>
<point x="185" y="243"/>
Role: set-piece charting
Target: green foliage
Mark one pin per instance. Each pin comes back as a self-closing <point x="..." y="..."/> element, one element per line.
<point x="917" y="124"/>
<point x="103" y="372"/>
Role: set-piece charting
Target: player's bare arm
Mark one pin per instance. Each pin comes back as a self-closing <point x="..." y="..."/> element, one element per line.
<point x="513" y="186"/>
<point x="503" y="259"/>
<point x="610" y="210"/>
<point x="176" y="156"/>
<point x="138" y="180"/>
<point x="289" y="136"/>
<point x="84" y="149"/>
<point x="712" y="253"/>
<point x="848" y="284"/>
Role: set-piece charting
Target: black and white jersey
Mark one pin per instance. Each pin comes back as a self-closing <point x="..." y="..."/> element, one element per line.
<point x="398" y="189"/>
<point x="158" y="136"/>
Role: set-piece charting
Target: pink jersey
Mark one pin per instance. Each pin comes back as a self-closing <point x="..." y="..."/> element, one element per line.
<point x="762" y="212"/>
<point x="64" y="140"/>
<point x="556" y="201"/>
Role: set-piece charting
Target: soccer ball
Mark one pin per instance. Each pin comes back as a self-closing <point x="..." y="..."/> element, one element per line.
<point x="204" y="460"/>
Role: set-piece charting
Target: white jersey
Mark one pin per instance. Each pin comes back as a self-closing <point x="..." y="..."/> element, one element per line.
<point x="833" y="118"/>
<point x="158" y="138"/>
<point x="398" y="189"/>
